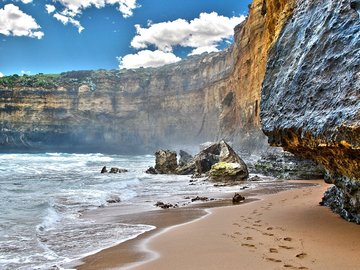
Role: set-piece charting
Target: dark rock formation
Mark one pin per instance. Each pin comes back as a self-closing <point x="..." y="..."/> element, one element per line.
<point x="238" y="198"/>
<point x="185" y="158"/>
<point x="117" y="170"/>
<point x="197" y="198"/>
<point x="165" y="205"/>
<point x="284" y="165"/>
<point x="113" y="199"/>
<point x="166" y="162"/>
<point x="310" y="96"/>
<point x="344" y="197"/>
<point x="104" y="170"/>
<point x="151" y="170"/>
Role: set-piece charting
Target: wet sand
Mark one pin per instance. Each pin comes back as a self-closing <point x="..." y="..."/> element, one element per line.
<point x="287" y="230"/>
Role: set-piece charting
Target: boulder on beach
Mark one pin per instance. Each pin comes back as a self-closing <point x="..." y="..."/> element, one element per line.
<point x="215" y="153"/>
<point x="166" y="162"/>
<point x="228" y="171"/>
<point x="238" y="198"/>
<point x="185" y="158"/>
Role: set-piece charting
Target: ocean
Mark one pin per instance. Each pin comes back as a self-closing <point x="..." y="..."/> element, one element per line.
<point x="44" y="196"/>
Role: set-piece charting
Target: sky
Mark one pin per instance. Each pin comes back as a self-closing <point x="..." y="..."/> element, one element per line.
<point x="53" y="36"/>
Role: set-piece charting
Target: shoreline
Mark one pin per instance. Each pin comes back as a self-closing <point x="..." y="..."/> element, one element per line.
<point x="134" y="252"/>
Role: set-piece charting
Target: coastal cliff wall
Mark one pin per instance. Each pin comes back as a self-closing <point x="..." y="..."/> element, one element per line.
<point x="311" y="92"/>
<point x="202" y="98"/>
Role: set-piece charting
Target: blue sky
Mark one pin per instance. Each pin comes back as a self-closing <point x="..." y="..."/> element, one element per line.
<point x="68" y="35"/>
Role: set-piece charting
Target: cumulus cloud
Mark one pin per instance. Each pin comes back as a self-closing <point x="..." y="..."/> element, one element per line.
<point x="14" y="22"/>
<point x="147" y="58"/>
<point x="202" y="34"/>
<point x="26" y="1"/>
<point x="72" y="9"/>
<point x="1" y="75"/>
<point x="50" y="8"/>
<point x="68" y="19"/>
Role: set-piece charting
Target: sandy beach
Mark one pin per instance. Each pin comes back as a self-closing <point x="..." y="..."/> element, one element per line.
<point x="287" y="230"/>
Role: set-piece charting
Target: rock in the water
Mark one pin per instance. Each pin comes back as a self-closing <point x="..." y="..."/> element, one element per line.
<point x="197" y="198"/>
<point x="165" y="205"/>
<point x="113" y="199"/>
<point x="224" y="171"/>
<point x="185" y="158"/>
<point x="151" y="170"/>
<point x="254" y="179"/>
<point x="104" y="170"/>
<point x="117" y="170"/>
<point x="238" y="198"/>
<point x="166" y="162"/>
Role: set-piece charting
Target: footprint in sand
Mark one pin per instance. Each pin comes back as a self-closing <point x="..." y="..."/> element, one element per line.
<point x="258" y="221"/>
<point x="268" y="234"/>
<point x="273" y="260"/>
<point x="285" y="247"/>
<point x="273" y="250"/>
<point x="288" y="239"/>
<point x="269" y="228"/>
<point x="248" y="238"/>
<point x="248" y="245"/>
<point x="236" y="224"/>
<point x="302" y="268"/>
<point x="237" y="233"/>
<point x="257" y="225"/>
<point x="301" y="255"/>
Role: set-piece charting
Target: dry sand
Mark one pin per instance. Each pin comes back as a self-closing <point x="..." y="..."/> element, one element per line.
<point x="288" y="230"/>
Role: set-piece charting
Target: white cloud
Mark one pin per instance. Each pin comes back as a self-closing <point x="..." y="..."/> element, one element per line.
<point x="26" y="1"/>
<point x="207" y="49"/>
<point x="1" y="75"/>
<point x="14" y="22"/>
<point x="202" y="34"/>
<point x="67" y="19"/>
<point x="73" y="9"/>
<point x="50" y="8"/>
<point x="147" y="58"/>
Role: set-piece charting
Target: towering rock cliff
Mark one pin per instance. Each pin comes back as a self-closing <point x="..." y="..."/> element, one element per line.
<point x="205" y="97"/>
<point x="311" y="95"/>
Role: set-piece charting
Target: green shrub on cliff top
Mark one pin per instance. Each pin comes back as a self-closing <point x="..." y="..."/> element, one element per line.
<point x="39" y="80"/>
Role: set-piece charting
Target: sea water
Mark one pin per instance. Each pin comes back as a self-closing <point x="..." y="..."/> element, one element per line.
<point x="43" y="196"/>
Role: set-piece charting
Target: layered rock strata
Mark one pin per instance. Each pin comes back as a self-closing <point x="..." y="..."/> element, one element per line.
<point x="203" y="98"/>
<point x="311" y="91"/>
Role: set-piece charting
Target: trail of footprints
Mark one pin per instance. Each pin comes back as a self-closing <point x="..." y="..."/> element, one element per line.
<point x="281" y="244"/>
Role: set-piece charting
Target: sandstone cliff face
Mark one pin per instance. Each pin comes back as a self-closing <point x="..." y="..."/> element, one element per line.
<point x="116" y="111"/>
<point x="311" y="91"/>
<point x="253" y="38"/>
<point x="206" y="97"/>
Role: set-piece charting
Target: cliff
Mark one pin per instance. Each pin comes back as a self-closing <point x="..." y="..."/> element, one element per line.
<point x="310" y="96"/>
<point x="203" y="98"/>
<point x="124" y="111"/>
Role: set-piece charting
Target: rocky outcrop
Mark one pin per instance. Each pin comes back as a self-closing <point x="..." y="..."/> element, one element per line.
<point x="215" y="153"/>
<point x="166" y="162"/>
<point x="284" y="165"/>
<point x="228" y="172"/>
<point x="310" y="96"/>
